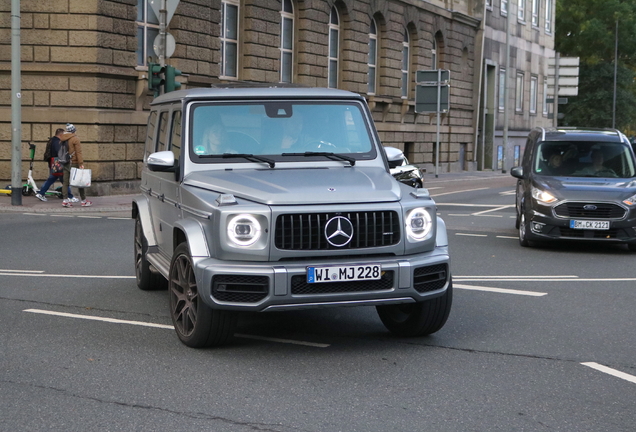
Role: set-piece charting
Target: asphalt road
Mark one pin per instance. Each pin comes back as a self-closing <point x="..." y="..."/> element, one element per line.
<point x="538" y="339"/>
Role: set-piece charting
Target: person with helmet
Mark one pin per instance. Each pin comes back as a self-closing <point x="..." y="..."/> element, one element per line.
<point x="77" y="161"/>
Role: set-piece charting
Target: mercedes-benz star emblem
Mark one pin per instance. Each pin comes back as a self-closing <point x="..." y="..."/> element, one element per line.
<point x="339" y="231"/>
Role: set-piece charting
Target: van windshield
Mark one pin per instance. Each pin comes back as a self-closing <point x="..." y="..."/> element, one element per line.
<point x="584" y="159"/>
<point x="278" y="128"/>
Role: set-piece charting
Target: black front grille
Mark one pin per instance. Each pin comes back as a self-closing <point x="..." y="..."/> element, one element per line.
<point x="306" y="231"/>
<point x="300" y="285"/>
<point x="602" y="210"/>
<point x="430" y="278"/>
<point x="240" y="288"/>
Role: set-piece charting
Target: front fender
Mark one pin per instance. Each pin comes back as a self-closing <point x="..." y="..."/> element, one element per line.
<point x="441" y="238"/>
<point x="141" y="208"/>
<point x="194" y="234"/>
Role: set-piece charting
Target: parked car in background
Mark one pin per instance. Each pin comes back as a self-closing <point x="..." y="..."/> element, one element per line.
<point x="266" y="199"/>
<point x="576" y="184"/>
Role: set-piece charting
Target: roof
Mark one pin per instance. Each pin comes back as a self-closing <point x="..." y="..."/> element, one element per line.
<point x="255" y="91"/>
<point x="583" y="134"/>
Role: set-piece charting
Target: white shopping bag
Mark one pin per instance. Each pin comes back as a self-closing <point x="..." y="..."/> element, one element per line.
<point x="80" y="177"/>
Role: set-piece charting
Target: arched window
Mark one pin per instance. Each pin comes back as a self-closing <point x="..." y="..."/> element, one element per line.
<point x="373" y="56"/>
<point x="405" y="64"/>
<point x="334" y="48"/>
<point x="286" y="41"/>
<point x="434" y="54"/>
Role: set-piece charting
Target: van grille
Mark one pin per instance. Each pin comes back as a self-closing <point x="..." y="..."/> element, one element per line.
<point x="306" y="231"/>
<point x="602" y="210"/>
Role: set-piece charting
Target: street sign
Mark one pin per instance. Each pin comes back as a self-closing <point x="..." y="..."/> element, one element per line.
<point x="562" y="101"/>
<point x="431" y="76"/>
<point x="426" y="98"/>
<point x="171" y="6"/>
<point x="170" y="44"/>
<point x="568" y="75"/>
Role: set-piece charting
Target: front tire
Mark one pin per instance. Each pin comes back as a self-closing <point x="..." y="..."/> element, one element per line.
<point x="417" y="319"/>
<point x="197" y="325"/>
<point x="147" y="280"/>
<point x="523" y="231"/>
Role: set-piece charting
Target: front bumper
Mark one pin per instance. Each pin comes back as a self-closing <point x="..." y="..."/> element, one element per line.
<point x="282" y="285"/>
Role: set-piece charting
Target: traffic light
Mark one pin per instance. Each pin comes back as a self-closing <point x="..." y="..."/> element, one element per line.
<point x="156" y="74"/>
<point x="171" y="83"/>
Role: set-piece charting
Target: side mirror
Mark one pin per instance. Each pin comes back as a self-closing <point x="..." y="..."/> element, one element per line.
<point x="517" y="172"/>
<point x="161" y="161"/>
<point x="395" y="156"/>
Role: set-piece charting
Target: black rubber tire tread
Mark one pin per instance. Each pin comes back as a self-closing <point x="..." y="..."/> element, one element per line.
<point x="147" y="280"/>
<point x="424" y="318"/>
<point x="523" y="242"/>
<point x="212" y="327"/>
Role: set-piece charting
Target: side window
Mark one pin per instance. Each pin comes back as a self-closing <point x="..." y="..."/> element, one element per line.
<point x="150" y="134"/>
<point x="162" y="140"/>
<point x="527" y="153"/>
<point x="175" y="140"/>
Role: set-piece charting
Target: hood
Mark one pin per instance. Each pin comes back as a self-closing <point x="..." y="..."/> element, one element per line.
<point x="66" y="136"/>
<point x="288" y="186"/>
<point x="588" y="188"/>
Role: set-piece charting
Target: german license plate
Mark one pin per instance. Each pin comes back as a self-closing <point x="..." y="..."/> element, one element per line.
<point x="344" y="273"/>
<point x="591" y="225"/>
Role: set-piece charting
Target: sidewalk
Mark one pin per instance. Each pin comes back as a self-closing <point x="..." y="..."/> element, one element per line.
<point x="101" y="204"/>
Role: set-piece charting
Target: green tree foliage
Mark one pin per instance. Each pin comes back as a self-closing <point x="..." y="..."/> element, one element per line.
<point x="587" y="29"/>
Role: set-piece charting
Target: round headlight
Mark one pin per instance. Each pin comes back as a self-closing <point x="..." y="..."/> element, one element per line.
<point x="418" y="224"/>
<point x="244" y="230"/>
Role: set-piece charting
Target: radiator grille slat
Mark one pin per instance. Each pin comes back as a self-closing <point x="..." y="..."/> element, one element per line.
<point x="306" y="231"/>
<point x="602" y="211"/>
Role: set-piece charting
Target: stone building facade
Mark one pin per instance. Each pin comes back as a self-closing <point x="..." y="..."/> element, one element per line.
<point x="85" y="62"/>
<point x="530" y="27"/>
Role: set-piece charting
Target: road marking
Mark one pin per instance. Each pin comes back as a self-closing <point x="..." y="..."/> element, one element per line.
<point x="610" y="371"/>
<point x="90" y="217"/>
<point x="508" y="237"/>
<point x="457" y="214"/>
<point x="164" y="326"/>
<point x="512" y="192"/>
<point x="62" y="215"/>
<point x="120" y="218"/>
<point x="21" y="271"/>
<point x="2" y="273"/>
<point x="460" y="191"/>
<point x="499" y="290"/>
<point x="471" y="235"/>
<point x="553" y="279"/>
<point x="509" y="277"/>
<point x="493" y="209"/>
<point x="468" y="205"/>
<point x="35" y="214"/>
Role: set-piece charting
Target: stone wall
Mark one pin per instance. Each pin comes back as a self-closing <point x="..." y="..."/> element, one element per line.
<point x="79" y="65"/>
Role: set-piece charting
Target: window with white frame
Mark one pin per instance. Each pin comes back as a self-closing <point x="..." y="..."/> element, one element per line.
<point x="535" y="12"/>
<point x="502" y="89"/>
<point x="334" y="40"/>
<point x="229" y="38"/>
<point x="548" y="16"/>
<point x="533" y="94"/>
<point x="519" y="93"/>
<point x="147" y="31"/>
<point x="287" y="41"/>
<point x="545" y="96"/>
<point x="434" y="55"/>
<point x="521" y="10"/>
<point x="504" y="7"/>
<point x="373" y="57"/>
<point x="405" y="64"/>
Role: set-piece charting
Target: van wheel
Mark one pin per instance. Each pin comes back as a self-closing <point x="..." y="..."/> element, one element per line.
<point x="523" y="231"/>
<point x="417" y="319"/>
<point x="147" y="280"/>
<point x="197" y="324"/>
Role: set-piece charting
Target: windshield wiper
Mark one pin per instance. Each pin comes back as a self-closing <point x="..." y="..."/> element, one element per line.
<point x="249" y="157"/>
<point x="330" y="155"/>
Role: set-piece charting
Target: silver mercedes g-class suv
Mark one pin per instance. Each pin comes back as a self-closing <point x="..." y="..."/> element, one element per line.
<point x="268" y="198"/>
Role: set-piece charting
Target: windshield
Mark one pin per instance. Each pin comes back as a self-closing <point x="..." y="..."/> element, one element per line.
<point x="279" y="130"/>
<point x="584" y="159"/>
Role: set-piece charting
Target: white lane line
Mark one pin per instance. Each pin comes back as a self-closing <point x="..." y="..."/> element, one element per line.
<point x="458" y="214"/>
<point x="467" y="205"/>
<point x="487" y="215"/>
<point x="555" y="279"/>
<point x="513" y="276"/>
<point x="62" y="215"/>
<point x="164" y="326"/>
<point x="493" y="210"/>
<point x="471" y="235"/>
<point x="512" y="192"/>
<point x="499" y="290"/>
<point x="21" y="271"/>
<point x="90" y="217"/>
<point x="119" y="218"/>
<point x="455" y="192"/>
<point x="35" y="214"/>
<point x="508" y="237"/>
<point x="65" y="275"/>
<point x="610" y="371"/>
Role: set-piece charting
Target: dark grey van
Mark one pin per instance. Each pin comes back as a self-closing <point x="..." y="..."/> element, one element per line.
<point x="577" y="184"/>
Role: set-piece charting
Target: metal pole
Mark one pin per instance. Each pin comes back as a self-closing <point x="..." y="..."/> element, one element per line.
<point x="162" y="33"/>
<point x="506" y="98"/>
<point x="557" y="57"/>
<point x="615" y="74"/>
<point x="439" y="100"/>
<point x="16" y="107"/>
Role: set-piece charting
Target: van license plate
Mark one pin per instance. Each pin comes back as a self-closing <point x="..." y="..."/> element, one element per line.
<point x="344" y="273"/>
<point x="591" y="225"/>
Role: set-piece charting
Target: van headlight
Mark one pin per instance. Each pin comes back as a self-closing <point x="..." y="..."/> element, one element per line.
<point x="630" y="201"/>
<point x="243" y="229"/>
<point x="542" y="196"/>
<point x="418" y="224"/>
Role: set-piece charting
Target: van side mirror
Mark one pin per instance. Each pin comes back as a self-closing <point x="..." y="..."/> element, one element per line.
<point x="517" y="172"/>
<point x="161" y="161"/>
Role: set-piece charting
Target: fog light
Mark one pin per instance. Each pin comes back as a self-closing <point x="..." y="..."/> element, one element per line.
<point x="537" y="227"/>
